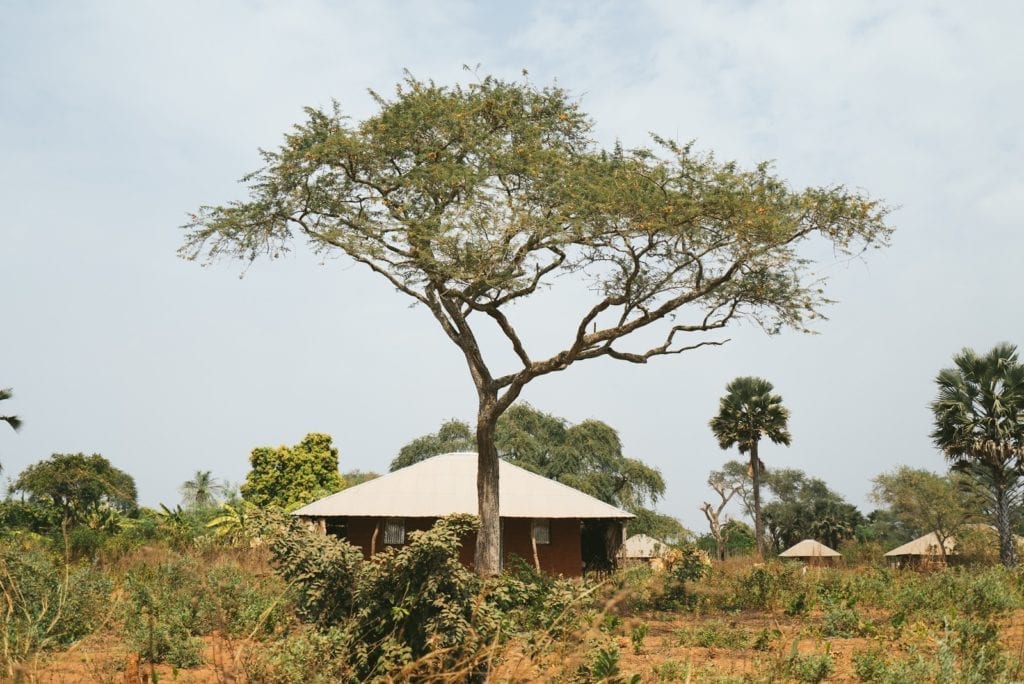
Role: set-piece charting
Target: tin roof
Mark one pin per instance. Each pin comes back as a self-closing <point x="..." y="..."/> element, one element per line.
<point x="446" y="484"/>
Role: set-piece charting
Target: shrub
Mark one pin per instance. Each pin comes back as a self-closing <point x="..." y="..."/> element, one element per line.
<point x="813" y="667"/>
<point x="308" y="655"/>
<point x="47" y="605"/>
<point x="845" y="623"/>
<point x="163" y="613"/>
<point x="637" y="636"/>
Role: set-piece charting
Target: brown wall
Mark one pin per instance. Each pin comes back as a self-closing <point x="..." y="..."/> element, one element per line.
<point x="561" y="557"/>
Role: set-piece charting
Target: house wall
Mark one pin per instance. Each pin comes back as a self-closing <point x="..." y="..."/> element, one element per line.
<point x="561" y="557"/>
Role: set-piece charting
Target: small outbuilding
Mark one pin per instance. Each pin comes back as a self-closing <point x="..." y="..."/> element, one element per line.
<point x="923" y="551"/>
<point x="556" y="528"/>
<point x="642" y="549"/>
<point x="811" y="552"/>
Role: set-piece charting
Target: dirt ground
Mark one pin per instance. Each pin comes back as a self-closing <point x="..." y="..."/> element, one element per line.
<point x="105" y="660"/>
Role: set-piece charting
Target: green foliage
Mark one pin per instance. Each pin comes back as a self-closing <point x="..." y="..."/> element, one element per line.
<point x="813" y="667"/>
<point x="290" y="477"/>
<point x="396" y="608"/>
<point x="46" y="604"/>
<point x="453" y="436"/>
<point x="979" y="426"/>
<point x="77" y="484"/>
<point x="846" y="623"/>
<point x="234" y="523"/>
<point x="13" y="421"/>
<point x="638" y="635"/>
<point x="684" y="563"/>
<point x="162" y="616"/>
<point x="604" y="667"/>
<point x="470" y="198"/>
<point x="925" y="502"/>
<point x="202" y="491"/>
<point x="805" y="508"/>
<point x="306" y="656"/>
<point x="713" y="635"/>
<point x="172" y="603"/>
<point x="587" y="456"/>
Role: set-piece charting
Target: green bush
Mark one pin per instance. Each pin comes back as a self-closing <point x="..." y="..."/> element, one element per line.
<point x="813" y="667"/>
<point x="844" y="622"/>
<point x="164" y="611"/>
<point x="47" y="605"/>
<point x="306" y="656"/>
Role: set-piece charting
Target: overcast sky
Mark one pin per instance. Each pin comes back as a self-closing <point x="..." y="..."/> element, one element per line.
<point x="117" y="119"/>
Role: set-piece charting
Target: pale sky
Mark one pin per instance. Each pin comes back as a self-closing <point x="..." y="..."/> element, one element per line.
<point x="117" y="119"/>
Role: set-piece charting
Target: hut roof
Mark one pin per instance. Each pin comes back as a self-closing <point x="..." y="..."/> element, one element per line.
<point x="642" y="546"/>
<point x="446" y="484"/>
<point x="809" y="548"/>
<point x="927" y="545"/>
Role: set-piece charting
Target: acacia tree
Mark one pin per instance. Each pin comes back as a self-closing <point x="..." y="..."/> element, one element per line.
<point x="747" y="413"/>
<point x="979" y="426"/>
<point x="471" y="198"/>
<point x="726" y="483"/>
<point x="926" y="502"/>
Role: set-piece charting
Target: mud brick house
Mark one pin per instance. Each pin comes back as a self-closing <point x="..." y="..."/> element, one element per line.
<point x="556" y="528"/>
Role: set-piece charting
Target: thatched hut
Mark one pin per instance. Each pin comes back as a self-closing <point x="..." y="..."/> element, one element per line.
<point x="811" y="552"/>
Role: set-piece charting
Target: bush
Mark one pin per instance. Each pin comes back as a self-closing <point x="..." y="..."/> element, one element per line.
<point x="813" y="667"/>
<point x="308" y="655"/>
<point x="48" y="605"/>
<point x="162" y="619"/>
<point x="845" y="623"/>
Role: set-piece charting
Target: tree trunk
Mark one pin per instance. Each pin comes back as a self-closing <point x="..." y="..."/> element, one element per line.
<point x="1007" y="552"/>
<point x="488" y="539"/>
<point x="755" y="474"/>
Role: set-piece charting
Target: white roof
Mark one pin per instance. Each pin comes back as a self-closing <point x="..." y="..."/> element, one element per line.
<point x="809" y="548"/>
<point x="446" y="484"/>
<point x="927" y="545"/>
<point x="642" y="546"/>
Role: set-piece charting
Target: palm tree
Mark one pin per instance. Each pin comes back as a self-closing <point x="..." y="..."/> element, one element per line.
<point x="202" y="491"/>
<point x="747" y="413"/>
<point x="13" y="421"/>
<point x="979" y="426"/>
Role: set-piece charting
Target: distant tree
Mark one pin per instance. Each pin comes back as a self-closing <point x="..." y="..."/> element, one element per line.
<point x="587" y="456"/>
<point x="926" y="502"/>
<point x="354" y="477"/>
<point x="726" y="483"/>
<point x="203" y="491"/>
<point x="76" y="485"/>
<point x="454" y="435"/>
<point x="235" y="523"/>
<point x="470" y="199"/>
<point x="979" y="426"/>
<point x="290" y="477"/>
<point x="657" y="525"/>
<point x="748" y="413"/>
<point x="805" y="508"/>
<point x="884" y="528"/>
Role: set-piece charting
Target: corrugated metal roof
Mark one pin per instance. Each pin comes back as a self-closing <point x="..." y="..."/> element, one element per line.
<point x="809" y="548"/>
<point x="642" y="546"/>
<point x="446" y="484"/>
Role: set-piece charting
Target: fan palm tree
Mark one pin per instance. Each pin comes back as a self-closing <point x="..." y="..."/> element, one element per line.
<point x="747" y="413"/>
<point x="979" y="426"/>
<point x="13" y="421"/>
<point x="202" y="491"/>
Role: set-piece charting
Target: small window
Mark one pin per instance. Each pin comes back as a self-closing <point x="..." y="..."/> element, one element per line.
<point x="394" y="531"/>
<point x="542" y="531"/>
<point x="337" y="527"/>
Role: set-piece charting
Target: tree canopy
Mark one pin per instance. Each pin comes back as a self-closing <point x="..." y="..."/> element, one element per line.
<point x="587" y="456"/>
<point x="77" y="484"/>
<point x="925" y="502"/>
<point x="203" y="491"/>
<point x="470" y="198"/>
<point x="290" y="477"/>
<point x="805" y="508"/>
<point x="979" y="426"/>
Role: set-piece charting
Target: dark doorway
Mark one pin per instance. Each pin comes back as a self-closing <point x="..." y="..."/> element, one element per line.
<point x="599" y="543"/>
